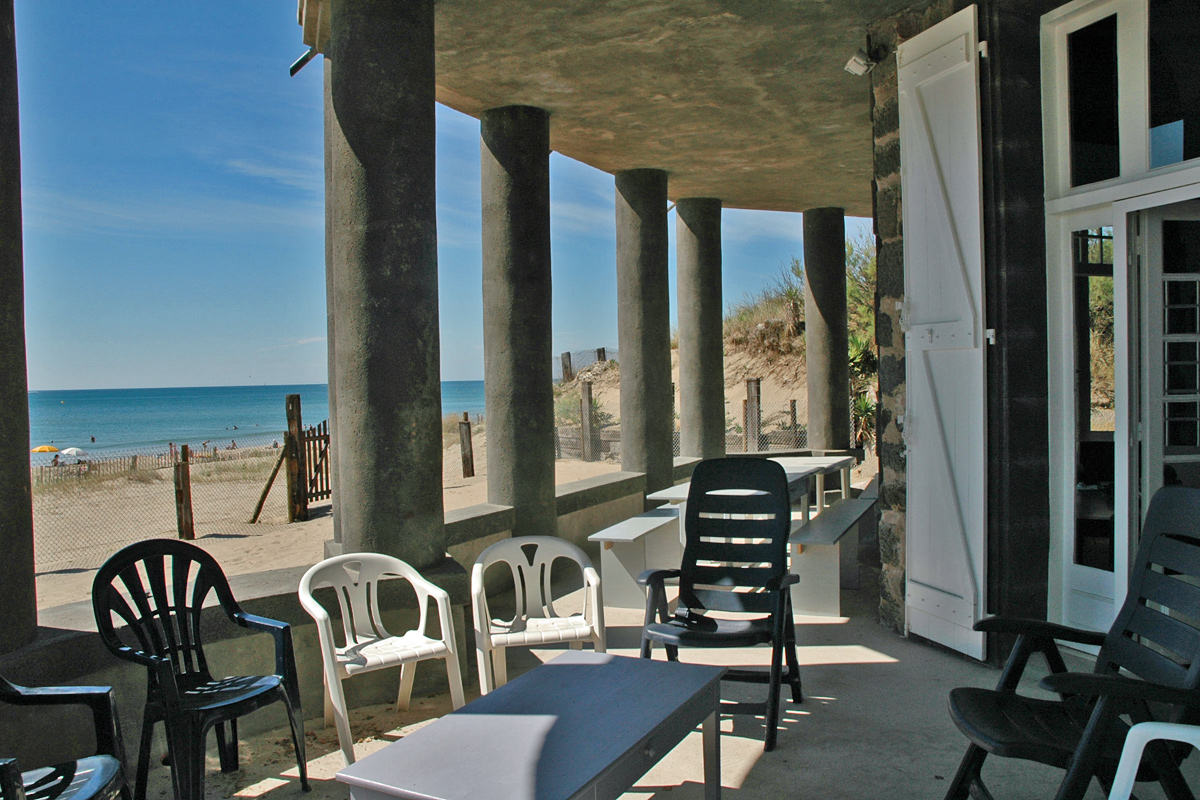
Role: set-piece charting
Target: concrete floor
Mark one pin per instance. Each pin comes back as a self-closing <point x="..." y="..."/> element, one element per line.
<point x="873" y="725"/>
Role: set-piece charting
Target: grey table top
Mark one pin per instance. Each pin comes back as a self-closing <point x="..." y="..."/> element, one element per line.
<point x="548" y="734"/>
<point x="795" y="475"/>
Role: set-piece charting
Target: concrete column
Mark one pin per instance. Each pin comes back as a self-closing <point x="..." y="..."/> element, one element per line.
<point x="701" y="344"/>
<point x="332" y="133"/>
<point x="826" y="335"/>
<point x="18" y="602"/>
<point x="388" y="376"/>
<point x="518" y="359"/>
<point x="644" y="325"/>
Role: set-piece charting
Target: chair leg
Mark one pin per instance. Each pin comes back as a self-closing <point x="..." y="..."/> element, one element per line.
<point x="408" y="673"/>
<point x="328" y="703"/>
<point x="793" y="662"/>
<point x="500" y="666"/>
<point x="647" y="647"/>
<point x="143" y="764"/>
<point x="772" y="715"/>
<point x="227" y="749"/>
<point x="968" y="773"/>
<point x="483" y="659"/>
<point x="598" y="644"/>
<point x="672" y="652"/>
<point x="296" y="722"/>
<point x="454" y="678"/>
<point x="336" y="698"/>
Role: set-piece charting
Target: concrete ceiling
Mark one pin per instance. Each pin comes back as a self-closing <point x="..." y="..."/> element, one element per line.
<point x="743" y="100"/>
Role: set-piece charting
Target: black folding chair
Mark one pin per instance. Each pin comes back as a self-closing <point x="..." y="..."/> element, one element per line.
<point x="95" y="777"/>
<point x="156" y="590"/>
<point x="735" y="559"/>
<point x="1148" y="669"/>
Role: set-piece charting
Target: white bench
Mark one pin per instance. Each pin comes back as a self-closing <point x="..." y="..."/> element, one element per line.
<point x="816" y="553"/>
<point x="633" y="546"/>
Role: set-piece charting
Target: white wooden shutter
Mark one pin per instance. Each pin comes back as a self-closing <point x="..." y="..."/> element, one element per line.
<point x="944" y="419"/>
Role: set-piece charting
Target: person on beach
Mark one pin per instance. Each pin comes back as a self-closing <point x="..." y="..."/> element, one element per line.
<point x="93" y="440"/>
<point x="54" y="461"/>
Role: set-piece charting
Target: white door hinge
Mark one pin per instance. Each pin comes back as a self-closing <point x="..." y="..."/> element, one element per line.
<point x="990" y="335"/>
<point x="983" y="49"/>
<point x="903" y="309"/>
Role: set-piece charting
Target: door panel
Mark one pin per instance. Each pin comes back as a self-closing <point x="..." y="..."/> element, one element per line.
<point x="945" y="418"/>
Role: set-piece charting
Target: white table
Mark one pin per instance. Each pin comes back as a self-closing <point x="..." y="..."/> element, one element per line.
<point x="630" y="547"/>
<point x="826" y="465"/>
<point x="585" y="725"/>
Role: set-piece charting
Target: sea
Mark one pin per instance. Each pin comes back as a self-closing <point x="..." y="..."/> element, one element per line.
<point x="111" y="422"/>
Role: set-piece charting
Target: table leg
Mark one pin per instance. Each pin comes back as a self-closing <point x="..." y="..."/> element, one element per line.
<point x="820" y="492"/>
<point x="845" y="483"/>
<point x="711" y="733"/>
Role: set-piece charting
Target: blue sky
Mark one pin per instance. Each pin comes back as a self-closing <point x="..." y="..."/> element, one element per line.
<point x="173" y="206"/>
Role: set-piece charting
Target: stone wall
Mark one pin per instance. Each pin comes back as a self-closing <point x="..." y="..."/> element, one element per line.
<point x="883" y="36"/>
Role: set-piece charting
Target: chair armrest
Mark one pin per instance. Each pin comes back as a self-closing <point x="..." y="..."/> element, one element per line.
<point x="782" y="582"/>
<point x="285" y="659"/>
<point x="99" y="699"/>
<point x="11" y="786"/>
<point x="1089" y="684"/>
<point x="656" y="576"/>
<point x="1033" y="636"/>
<point x="1039" y="629"/>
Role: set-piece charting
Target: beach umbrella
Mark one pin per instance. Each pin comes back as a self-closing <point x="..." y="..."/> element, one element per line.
<point x="74" y="451"/>
<point x="44" y="448"/>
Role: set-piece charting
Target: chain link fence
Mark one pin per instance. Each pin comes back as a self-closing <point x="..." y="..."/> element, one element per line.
<point x="86" y="510"/>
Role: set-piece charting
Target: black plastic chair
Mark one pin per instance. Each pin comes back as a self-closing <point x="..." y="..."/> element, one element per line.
<point x="96" y="777"/>
<point x="735" y="559"/>
<point x="156" y="590"/>
<point x="1148" y="669"/>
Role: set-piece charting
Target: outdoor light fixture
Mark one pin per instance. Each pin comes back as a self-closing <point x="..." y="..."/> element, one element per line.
<point x="860" y="63"/>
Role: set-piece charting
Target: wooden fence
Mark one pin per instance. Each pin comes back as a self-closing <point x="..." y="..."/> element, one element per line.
<point x="315" y="443"/>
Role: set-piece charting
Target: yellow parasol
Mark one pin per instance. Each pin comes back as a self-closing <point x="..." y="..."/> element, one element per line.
<point x="44" y="448"/>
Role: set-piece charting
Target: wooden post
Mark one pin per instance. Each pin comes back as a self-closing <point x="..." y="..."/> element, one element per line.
<point x="133" y="463"/>
<point x="795" y="428"/>
<point x="745" y="427"/>
<point x="586" y="418"/>
<point x="297" y="489"/>
<point x="183" y="496"/>
<point x="753" y="414"/>
<point x="600" y="355"/>
<point x="568" y="373"/>
<point x="262" y="498"/>
<point x="464" y="441"/>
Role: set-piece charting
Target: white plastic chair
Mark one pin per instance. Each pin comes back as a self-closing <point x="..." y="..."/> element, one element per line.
<point x="1139" y="736"/>
<point x="368" y="645"/>
<point x="535" y="621"/>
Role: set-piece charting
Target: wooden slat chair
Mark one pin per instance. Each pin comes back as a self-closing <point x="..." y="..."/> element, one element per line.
<point x="735" y="559"/>
<point x="1148" y="669"/>
<point x="148" y="599"/>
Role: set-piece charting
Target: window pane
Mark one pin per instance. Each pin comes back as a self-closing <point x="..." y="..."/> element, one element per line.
<point x="1092" y="87"/>
<point x="1174" y="81"/>
<point x="1181" y="246"/>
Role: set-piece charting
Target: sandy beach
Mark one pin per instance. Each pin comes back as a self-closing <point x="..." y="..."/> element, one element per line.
<point x="134" y="510"/>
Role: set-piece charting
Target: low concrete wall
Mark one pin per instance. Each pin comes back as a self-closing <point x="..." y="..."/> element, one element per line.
<point x="68" y="651"/>
<point x="592" y="504"/>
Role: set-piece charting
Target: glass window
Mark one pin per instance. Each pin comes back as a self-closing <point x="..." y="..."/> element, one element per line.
<point x="1174" y="81"/>
<point x="1092" y="89"/>
<point x="1094" y="392"/>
